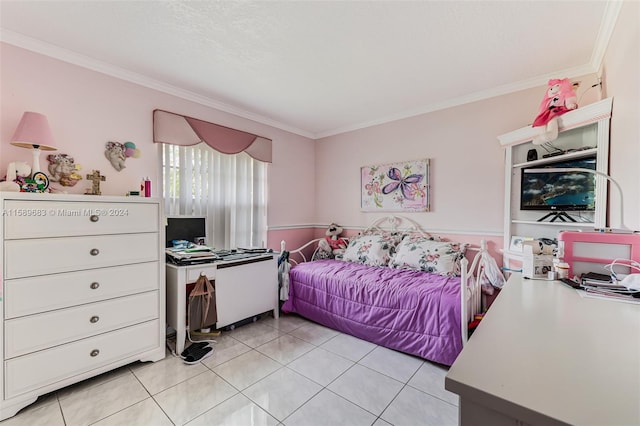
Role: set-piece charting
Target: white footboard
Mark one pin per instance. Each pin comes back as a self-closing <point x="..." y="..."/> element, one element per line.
<point x="470" y="291"/>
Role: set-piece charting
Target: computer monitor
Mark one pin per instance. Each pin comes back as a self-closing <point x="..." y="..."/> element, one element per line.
<point x="190" y="228"/>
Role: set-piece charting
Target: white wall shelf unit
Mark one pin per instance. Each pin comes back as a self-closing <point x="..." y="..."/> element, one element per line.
<point x="583" y="133"/>
<point x="567" y="156"/>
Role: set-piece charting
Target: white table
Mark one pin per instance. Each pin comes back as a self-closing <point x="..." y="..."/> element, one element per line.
<point x="545" y="355"/>
<point x="244" y="288"/>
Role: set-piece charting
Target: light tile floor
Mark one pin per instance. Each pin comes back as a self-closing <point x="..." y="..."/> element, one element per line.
<point x="288" y="371"/>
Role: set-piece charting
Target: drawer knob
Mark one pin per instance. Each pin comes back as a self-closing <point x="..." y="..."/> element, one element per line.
<point x="94" y="286"/>
<point x="95" y="352"/>
<point x="94" y="319"/>
<point x="94" y="218"/>
<point x="94" y="252"/>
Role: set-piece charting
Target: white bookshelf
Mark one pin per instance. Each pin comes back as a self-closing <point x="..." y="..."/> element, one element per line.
<point x="583" y="132"/>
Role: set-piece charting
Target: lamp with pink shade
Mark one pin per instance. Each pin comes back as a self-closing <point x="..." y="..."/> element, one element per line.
<point x="33" y="132"/>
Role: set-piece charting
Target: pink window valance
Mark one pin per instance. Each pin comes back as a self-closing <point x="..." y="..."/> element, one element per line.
<point x="176" y="129"/>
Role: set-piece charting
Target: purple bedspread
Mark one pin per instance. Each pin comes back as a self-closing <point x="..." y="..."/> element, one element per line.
<point x="413" y="312"/>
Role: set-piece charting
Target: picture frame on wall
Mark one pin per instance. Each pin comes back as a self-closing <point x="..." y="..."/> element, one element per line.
<point x="395" y="187"/>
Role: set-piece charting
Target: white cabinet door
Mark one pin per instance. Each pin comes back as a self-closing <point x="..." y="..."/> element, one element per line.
<point x="245" y="290"/>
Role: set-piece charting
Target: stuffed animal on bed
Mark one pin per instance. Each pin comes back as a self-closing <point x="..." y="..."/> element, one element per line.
<point x="559" y="99"/>
<point x="332" y="245"/>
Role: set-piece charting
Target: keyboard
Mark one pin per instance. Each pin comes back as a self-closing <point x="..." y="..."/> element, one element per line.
<point x="237" y="256"/>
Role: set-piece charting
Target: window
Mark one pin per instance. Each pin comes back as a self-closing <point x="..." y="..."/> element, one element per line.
<point x="228" y="189"/>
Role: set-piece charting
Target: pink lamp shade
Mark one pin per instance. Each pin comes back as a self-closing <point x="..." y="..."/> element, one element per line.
<point x="33" y="132"/>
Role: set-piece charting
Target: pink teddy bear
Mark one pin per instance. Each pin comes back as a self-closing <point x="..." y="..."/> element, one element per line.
<point x="559" y="99"/>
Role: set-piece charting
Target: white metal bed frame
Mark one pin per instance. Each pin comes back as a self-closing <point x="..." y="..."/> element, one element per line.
<point x="470" y="289"/>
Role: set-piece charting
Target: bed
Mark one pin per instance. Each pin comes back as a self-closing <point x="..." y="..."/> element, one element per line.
<point x="389" y="292"/>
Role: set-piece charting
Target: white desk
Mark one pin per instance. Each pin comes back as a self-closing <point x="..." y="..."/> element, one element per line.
<point x="244" y="288"/>
<point x="543" y="355"/>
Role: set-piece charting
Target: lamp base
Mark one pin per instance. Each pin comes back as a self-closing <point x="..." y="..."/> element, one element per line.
<point x="36" y="161"/>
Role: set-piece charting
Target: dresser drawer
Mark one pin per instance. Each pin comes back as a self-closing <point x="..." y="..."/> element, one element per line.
<point x="37" y="332"/>
<point x="38" y="369"/>
<point x="26" y="296"/>
<point x="25" y="258"/>
<point x="30" y="219"/>
<point x="194" y="274"/>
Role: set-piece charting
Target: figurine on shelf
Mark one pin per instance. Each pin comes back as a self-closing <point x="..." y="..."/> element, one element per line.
<point x="63" y="169"/>
<point x="117" y="153"/>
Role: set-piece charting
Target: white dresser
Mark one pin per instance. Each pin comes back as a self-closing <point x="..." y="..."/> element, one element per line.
<point x="82" y="290"/>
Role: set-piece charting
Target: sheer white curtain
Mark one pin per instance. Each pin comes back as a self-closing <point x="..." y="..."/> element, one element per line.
<point x="228" y="189"/>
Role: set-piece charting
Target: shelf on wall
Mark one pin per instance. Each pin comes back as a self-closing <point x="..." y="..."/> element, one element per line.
<point x="568" y="224"/>
<point x="567" y="156"/>
<point x="583" y="133"/>
<point x="576" y="118"/>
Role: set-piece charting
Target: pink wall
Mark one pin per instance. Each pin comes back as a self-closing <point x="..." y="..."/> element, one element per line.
<point x="294" y="238"/>
<point x="87" y="108"/>
<point x="621" y="71"/>
<point x="318" y="182"/>
<point x="467" y="163"/>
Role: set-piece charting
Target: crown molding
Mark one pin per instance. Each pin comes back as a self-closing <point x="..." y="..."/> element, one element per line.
<point x="537" y="81"/>
<point x="87" y="62"/>
<point x="607" y="25"/>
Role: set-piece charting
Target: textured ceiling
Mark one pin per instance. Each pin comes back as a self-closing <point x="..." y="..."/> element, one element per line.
<point x="321" y="67"/>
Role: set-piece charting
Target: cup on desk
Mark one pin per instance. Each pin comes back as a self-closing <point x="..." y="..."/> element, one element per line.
<point x="562" y="270"/>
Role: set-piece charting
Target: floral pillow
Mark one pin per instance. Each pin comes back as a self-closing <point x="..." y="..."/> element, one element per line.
<point x="424" y="254"/>
<point x="414" y="236"/>
<point x="372" y="249"/>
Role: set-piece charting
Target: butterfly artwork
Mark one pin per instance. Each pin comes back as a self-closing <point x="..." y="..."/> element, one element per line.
<point x="396" y="187"/>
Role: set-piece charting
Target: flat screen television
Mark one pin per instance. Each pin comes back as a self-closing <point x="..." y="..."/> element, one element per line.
<point x="188" y="228"/>
<point x="560" y="191"/>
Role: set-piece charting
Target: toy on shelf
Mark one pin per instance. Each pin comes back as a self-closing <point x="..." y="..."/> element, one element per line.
<point x="16" y="173"/>
<point x="39" y="182"/>
<point x="95" y="178"/>
<point x="558" y="99"/>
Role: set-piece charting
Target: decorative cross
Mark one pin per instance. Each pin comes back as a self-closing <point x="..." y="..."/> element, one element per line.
<point x="95" y="183"/>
